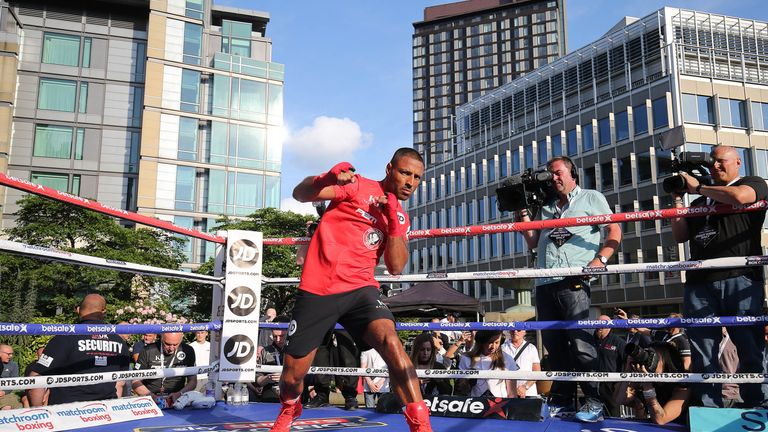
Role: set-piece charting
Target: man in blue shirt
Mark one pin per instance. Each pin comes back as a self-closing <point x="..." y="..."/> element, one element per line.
<point x="559" y="298"/>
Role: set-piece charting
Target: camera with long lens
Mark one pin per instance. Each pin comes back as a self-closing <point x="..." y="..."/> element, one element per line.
<point x="528" y="190"/>
<point x="320" y="209"/>
<point x="697" y="164"/>
<point x="642" y="356"/>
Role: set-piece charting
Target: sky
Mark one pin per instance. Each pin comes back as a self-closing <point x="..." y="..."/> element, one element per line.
<point x="348" y="80"/>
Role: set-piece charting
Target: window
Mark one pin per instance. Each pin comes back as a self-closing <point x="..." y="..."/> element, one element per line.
<point x="557" y="146"/>
<point x="606" y="172"/>
<point x="644" y="206"/>
<point x="651" y="256"/>
<point x="630" y="258"/>
<point x="746" y="167"/>
<point x="194" y="9"/>
<point x="61" y="142"/>
<point x="660" y="116"/>
<point x="491" y="170"/>
<point x="515" y="162"/>
<point x="185" y="188"/>
<point x="503" y="170"/>
<point x="185" y="222"/>
<point x="570" y="142"/>
<point x="479" y="174"/>
<point x="698" y="109"/>
<point x="628" y="228"/>
<point x="625" y="171"/>
<point x="590" y="179"/>
<point x="236" y="38"/>
<point x="541" y="146"/>
<point x="187" y="138"/>
<point x="193" y="42"/>
<point x="62" y="49"/>
<point x="190" y="90"/>
<point x="237" y="145"/>
<point x="243" y="99"/>
<point x="640" y="119"/>
<point x="760" y="115"/>
<point x="457" y="182"/>
<point x="622" y="126"/>
<point x="60" y="182"/>
<point x="506" y="243"/>
<point x="732" y="113"/>
<point x="604" y="131"/>
<point x="643" y="166"/>
<point x="528" y="154"/>
<point x="587" y="137"/>
<point x="60" y="95"/>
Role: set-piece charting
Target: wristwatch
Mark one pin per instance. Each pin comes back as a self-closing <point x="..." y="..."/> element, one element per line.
<point x="602" y="259"/>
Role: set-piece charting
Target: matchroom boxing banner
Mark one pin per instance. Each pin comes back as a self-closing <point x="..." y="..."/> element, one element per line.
<point x="241" y="304"/>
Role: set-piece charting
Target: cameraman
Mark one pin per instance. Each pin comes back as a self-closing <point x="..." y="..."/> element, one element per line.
<point x="724" y="292"/>
<point x="568" y="298"/>
<point x="663" y="402"/>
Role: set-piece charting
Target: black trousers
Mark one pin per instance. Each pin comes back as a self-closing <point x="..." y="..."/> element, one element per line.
<point x="342" y="354"/>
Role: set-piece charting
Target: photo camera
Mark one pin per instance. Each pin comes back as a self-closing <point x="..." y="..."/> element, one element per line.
<point x="528" y="190"/>
<point x="642" y="356"/>
<point x="696" y="164"/>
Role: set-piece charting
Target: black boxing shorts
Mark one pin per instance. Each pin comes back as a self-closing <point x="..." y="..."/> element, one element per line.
<point x="313" y="315"/>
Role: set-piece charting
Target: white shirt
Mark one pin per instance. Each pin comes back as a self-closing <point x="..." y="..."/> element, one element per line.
<point x="202" y="355"/>
<point x="525" y="362"/>
<point x="498" y="387"/>
<point x="372" y="359"/>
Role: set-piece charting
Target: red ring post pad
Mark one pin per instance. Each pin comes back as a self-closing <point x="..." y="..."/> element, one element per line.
<point x="86" y="329"/>
<point x="101" y="208"/>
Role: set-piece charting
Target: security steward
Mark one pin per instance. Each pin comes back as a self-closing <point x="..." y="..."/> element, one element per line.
<point x="82" y="354"/>
<point x="170" y="352"/>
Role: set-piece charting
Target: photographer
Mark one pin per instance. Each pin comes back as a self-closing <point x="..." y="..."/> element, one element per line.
<point x="558" y="298"/>
<point x="663" y="402"/>
<point x="724" y="292"/>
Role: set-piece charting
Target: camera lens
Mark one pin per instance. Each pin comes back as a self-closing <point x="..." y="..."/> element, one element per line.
<point x="674" y="184"/>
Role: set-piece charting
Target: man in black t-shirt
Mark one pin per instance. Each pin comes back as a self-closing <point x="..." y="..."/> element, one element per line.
<point x="170" y="352"/>
<point x="610" y="357"/>
<point x="80" y="354"/>
<point x="736" y="291"/>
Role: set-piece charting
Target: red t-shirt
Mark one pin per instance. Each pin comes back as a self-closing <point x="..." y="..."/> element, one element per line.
<point x="349" y="240"/>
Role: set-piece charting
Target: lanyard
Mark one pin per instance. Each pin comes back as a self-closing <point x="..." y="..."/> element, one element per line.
<point x="162" y="363"/>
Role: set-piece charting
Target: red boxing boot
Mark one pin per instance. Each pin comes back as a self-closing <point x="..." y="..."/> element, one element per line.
<point x="289" y="411"/>
<point x="417" y="416"/>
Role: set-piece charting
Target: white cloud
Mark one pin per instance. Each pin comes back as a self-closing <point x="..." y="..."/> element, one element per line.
<point x="290" y="204"/>
<point x="326" y="142"/>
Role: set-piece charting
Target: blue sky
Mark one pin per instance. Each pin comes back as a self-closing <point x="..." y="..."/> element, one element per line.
<point x="348" y="72"/>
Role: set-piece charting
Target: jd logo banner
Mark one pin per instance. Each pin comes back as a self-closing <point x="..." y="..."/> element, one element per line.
<point x="239" y="349"/>
<point x="244" y="253"/>
<point x="242" y="301"/>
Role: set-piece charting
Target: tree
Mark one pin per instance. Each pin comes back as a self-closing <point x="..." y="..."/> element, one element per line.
<point x="278" y="261"/>
<point x="34" y="288"/>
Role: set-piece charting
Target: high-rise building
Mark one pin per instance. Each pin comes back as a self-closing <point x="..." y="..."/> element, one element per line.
<point x="465" y="49"/>
<point x="604" y="105"/>
<point x="170" y="108"/>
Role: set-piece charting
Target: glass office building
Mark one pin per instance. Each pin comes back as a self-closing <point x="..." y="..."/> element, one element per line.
<point x="604" y="105"/>
<point x="173" y="109"/>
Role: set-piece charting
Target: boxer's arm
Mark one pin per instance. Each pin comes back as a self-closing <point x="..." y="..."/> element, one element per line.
<point x="306" y="191"/>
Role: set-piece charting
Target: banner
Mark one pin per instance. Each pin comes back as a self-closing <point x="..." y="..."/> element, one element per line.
<point x="727" y="419"/>
<point x="78" y="415"/>
<point x="240" y="304"/>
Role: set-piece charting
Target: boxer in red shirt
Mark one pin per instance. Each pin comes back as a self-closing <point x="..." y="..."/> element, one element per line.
<point x="363" y="222"/>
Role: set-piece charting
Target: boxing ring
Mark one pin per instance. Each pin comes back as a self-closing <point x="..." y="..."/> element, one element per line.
<point x="242" y="276"/>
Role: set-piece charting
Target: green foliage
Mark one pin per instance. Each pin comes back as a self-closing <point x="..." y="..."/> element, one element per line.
<point x="24" y="346"/>
<point x="278" y="261"/>
<point x="35" y="288"/>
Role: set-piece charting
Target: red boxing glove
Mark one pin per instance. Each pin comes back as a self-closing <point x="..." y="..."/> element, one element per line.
<point x="397" y="222"/>
<point x="332" y="176"/>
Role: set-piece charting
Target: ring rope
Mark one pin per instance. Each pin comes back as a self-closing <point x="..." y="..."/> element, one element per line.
<point x="527" y="273"/>
<point x="86" y="329"/>
<point x="50" y="254"/>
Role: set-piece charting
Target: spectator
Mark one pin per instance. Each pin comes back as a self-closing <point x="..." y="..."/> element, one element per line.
<point x="453" y="335"/>
<point x="526" y="356"/>
<point x="10" y="370"/>
<point x="27" y="370"/>
<point x="564" y="299"/>
<point x="679" y="339"/>
<point x="202" y="356"/>
<point x="637" y="335"/>
<point x="127" y="338"/>
<point x="337" y="349"/>
<point x="265" y="335"/>
<point x="138" y="347"/>
<point x="662" y="402"/>
<point x="373" y="387"/>
<point x="728" y="359"/>
<point x="170" y="352"/>
<point x="487" y="355"/>
<point x="80" y="354"/>
<point x="423" y="357"/>
<point x="737" y="291"/>
<point x="462" y="345"/>
<point x="265" y="388"/>
<point x="610" y="357"/>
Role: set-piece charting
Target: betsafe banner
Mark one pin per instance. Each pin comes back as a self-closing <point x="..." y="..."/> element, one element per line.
<point x="476" y="407"/>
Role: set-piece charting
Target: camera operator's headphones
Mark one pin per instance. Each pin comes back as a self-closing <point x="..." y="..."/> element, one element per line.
<point x="566" y="159"/>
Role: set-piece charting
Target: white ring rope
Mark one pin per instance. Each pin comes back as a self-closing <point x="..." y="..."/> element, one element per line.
<point x="50" y="254"/>
<point x="526" y="273"/>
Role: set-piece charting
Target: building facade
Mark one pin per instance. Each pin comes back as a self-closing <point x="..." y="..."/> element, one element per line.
<point x="605" y="106"/>
<point x="463" y="50"/>
<point x="170" y="108"/>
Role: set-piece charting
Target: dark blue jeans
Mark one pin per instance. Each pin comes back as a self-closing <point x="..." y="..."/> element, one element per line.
<point x="568" y="350"/>
<point x="738" y="296"/>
